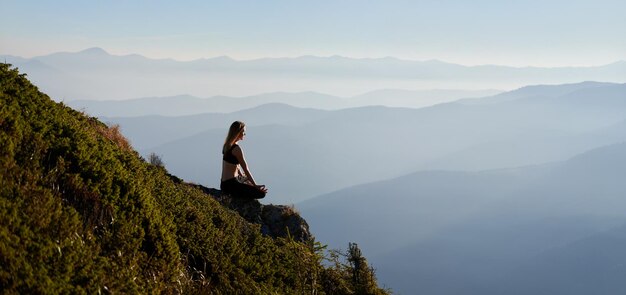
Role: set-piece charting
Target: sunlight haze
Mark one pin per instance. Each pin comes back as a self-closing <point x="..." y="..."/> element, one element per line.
<point x="527" y="33"/>
<point x="468" y="147"/>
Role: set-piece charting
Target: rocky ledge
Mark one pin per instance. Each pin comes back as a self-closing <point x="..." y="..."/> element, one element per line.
<point x="275" y="220"/>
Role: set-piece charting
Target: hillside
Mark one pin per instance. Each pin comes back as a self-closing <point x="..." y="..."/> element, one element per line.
<point x="488" y="231"/>
<point x="593" y="265"/>
<point x="82" y="212"/>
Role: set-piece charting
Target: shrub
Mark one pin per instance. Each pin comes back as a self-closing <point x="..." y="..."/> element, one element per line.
<point x="113" y="134"/>
<point x="155" y="160"/>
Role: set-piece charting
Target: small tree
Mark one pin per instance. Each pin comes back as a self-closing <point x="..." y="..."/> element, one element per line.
<point x="351" y="278"/>
<point x="155" y="160"/>
<point x="363" y="278"/>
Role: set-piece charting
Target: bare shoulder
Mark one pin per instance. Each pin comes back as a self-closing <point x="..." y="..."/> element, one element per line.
<point x="237" y="150"/>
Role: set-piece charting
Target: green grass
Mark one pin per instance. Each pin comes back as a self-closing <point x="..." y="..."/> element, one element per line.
<point x="81" y="213"/>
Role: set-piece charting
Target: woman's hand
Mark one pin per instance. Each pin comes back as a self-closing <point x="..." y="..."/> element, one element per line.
<point x="262" y="188"/>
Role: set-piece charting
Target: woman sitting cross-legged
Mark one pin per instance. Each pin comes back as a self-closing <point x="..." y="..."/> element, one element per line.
<point x="236" y="183"/>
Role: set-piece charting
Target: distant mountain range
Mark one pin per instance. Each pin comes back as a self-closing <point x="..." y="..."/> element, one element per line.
<point x="154" y="130"/>
<point x="96" y="74"/>
<point x="301" y="153"/>
<point x="182" y="105"/>
<point x="549" y="229"/>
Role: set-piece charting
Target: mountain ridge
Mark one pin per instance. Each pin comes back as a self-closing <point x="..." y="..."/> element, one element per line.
<point x="101" y="51"/>
<point x="495" y="219"/>
<point x="189" y="104"/>
<point x="104" y="76"/>
<point x="528" y="132"/>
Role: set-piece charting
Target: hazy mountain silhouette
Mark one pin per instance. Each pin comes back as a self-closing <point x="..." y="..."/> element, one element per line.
<point x="151" y="131"/>
<point x="485" y="230"/>
<point x="181" y="105"/>
<point x="536" y="90"/>
<point x="359" y="145"/>
<point x="522" y="151"/>
<point x="415" y="99"/>
<point x="95" y="74"/>
<point x="593" y="265"/>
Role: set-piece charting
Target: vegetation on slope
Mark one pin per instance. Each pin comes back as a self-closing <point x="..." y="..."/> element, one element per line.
<point x="81" y="212"/>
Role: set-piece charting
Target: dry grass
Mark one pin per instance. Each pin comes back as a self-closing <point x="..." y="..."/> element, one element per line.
<point x="114" y="134"/>
<point x="290" y="210"/>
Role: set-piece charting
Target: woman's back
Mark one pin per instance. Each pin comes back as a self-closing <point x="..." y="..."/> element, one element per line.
<point x="229" y="163"/>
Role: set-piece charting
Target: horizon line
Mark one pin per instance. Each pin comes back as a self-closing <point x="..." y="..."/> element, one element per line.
<point x="433" y="60"/>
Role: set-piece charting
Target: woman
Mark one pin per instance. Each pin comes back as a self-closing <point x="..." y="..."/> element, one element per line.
<point x="232" y="164"/>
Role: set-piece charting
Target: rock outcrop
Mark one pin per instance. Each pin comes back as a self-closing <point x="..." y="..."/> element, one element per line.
<point x="275" y="220"/>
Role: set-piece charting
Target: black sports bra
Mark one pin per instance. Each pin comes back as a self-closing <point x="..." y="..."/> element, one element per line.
<point x="229" y="157"/>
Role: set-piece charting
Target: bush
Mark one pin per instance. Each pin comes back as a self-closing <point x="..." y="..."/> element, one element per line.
<point x="155" y="160"/>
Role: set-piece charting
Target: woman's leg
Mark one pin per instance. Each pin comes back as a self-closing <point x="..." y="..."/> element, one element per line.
<point x="239" y="190"/>
<point x="248" y="191"/>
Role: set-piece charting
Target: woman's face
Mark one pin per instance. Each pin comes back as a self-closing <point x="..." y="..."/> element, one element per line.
<point x="242" y="134"/>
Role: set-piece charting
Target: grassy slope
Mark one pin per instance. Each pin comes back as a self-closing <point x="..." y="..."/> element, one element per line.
<point x="81" y="212"/>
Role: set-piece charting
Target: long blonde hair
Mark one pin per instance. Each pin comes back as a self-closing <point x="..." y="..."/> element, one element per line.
<point x="233" y="133"/>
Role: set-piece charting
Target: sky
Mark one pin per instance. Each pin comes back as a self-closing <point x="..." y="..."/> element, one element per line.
<point x="516" y="33"/>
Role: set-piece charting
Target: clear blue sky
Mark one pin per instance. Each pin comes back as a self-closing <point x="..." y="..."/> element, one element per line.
<point x="520" y="33"/>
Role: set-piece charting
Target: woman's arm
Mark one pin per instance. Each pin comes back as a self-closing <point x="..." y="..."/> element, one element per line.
<point x="238" y="153"/>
